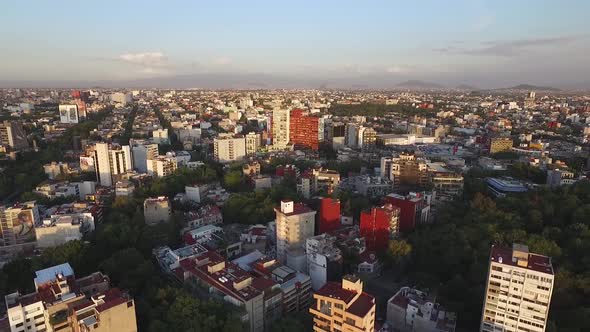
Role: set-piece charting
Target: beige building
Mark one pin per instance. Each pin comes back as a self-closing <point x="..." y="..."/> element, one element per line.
<point x="162" y="166"/>
<point x="499" y="144"/>
<point x="227" y="148"/>
<point x="408" y="170"/>
<point x="17" y="223"/>
<point x="66" y="304"/>
<point x="518" y="291"/>
<point x="295" y="224"/>
<point x="156" y="210"/>
<point x="280" y="128"/>
<point x="343" y="307"/>
<point x="252" y="143"/>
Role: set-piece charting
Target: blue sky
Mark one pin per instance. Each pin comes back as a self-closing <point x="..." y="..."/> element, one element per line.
<point x="469" y="41"/>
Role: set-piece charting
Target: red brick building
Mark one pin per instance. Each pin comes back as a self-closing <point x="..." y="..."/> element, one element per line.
<point x="303" y="130"/>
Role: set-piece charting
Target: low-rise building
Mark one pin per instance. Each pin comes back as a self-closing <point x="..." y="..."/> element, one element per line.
<point x="411" y="310"/>
<point x="156" y="210"/>
<point x="324" y="260"/>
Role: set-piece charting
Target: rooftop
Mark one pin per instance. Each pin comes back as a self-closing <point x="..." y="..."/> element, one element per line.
<point x="534" y="262"/>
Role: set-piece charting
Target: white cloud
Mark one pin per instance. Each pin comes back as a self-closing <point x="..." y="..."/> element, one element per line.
<point x="147" y="59"/>
<point x="398" y="69"/>
<point x="222" y="61"/>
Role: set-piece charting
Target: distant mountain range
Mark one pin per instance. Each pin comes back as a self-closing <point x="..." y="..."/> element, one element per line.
<point x="420" y="85"/>
<point x="269" y="81"/>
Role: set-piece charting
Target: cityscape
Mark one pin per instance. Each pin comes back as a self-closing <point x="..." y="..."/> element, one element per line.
<point x="352" y="187"/>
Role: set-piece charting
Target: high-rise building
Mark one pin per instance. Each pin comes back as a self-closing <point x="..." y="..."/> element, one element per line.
<point x="227" y="148"/>
<point x="62" y="302"/>
<point x="328" y="215"/>
<point x="13" y="135"/>
<point x="343" y="307"/>
<point x="295" y="224"/>
<point x="252" y="143"/>
<point x="378" y="224"/>
<point x="351" y="137"/>
<point x="111" y="161"/>
<point x="303" y="130"/>
<point x="324" y="260"/>
<point x="367" y="137"/>
<point x="280" y="128"/>
<point x="518" y="290"/>
<point x="17" y="223"/>
<point x="142" y="152"/>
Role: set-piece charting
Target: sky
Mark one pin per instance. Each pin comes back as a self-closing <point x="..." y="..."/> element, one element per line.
<point x="475" y="42"/>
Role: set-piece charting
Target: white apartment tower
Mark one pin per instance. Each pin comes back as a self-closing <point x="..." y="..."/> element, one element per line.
<point x="280" y="128"/>
<point x="518" y="291"/>
<point x="142" y="152"/>
<point x="227" y="148"/>
<point x="110" y="161"/>
<point x="295" y="223"/>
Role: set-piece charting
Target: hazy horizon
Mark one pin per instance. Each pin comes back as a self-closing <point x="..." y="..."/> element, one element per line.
<point x="345" y="44"/>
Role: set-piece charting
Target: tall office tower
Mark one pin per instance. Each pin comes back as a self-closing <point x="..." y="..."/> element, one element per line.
<point x="367" y="137"/>
<point x="518" y="291"/>
<point x="303" y="130"/>
<point x="280" y="128"/>
<point x="252" y="143"/>
<point x="352" y="135"/>
<point x="343" y="307"/>
<point x="142" y="152"/>
<point x="17" y="223"/>
<point x="227" y="148"/>
<point x="13" y="135"/>
<point x="295" y="224"/>
<point x="329" y="215"/>
<point x="378" y="224"/>
<point x="110" y="161"/>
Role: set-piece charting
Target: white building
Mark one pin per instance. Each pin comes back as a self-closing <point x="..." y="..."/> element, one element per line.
<point x="66" y="189"/>
<point x="61" y="228"/>
<point x="280" y="128"/>
<point x="518" y="290"/>
<point x="227" y="148"/>
<point x="324" y="260"/>
<point x="142" y="152"/>
<point x="121" y="99"/>
<point x="295" y="224"/>
<point x="110" y="161"/>
<point x="195" y="193"/>
<point x="68" y="114"/>
<point x="411" y="310"/>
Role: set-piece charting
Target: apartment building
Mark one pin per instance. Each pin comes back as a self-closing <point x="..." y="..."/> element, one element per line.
<point x="518" y="290"/>
<point x="252" y="143"/>
<point x="378" y="225"/>
<point x="227" y="148"/>
<point x="343" y="307"/>
<point x="280" y="128"/>
<point x="407" y="169"/>
<point x="161" y="166"/>
<point x="295" y="223"/>
<point x="62" y="302"/>
<point x="411" y="310"/>
<point x="111" y="161"/>
<point x="67" y="222"/>
<point x="303" y="130"/>
<point x="142" y="152"/>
